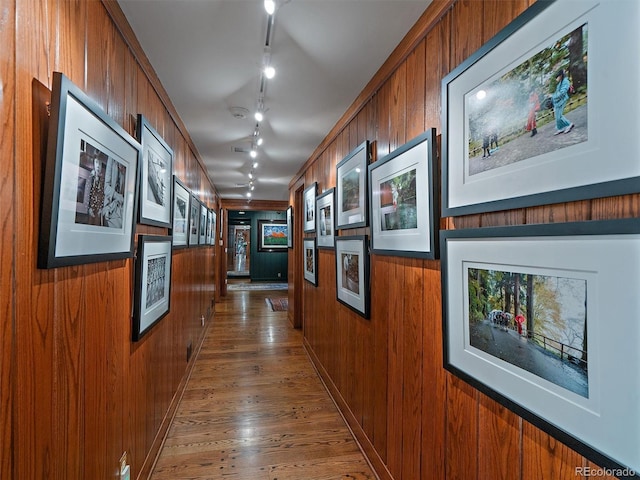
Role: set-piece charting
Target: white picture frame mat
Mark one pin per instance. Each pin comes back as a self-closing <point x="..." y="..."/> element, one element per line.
<point x="351" y="247"/>
<point x="149" y="315"/>
<point x="609" y="419"/>
<point x="608" y="125"/>
<point x="72" y="238"/>
<point x="152" y="209"/>
<point x="355" y="215"/>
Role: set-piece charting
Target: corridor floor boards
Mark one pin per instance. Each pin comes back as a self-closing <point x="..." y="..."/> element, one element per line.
<point x="254" y="407"/>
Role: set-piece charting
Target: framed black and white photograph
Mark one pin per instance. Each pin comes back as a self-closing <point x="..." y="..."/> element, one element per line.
<point x="202" y="227"/>
<point x="290" y="227"/>
<point x="352" y="273"/>
<point x="325" y="226"/>
<point x="528" y="119"/>
<point x="310" y="261"/>
<point x="209" y="235"/>
<point x="156" y="176"/>
<point x="542" y="319"/>
<point x="405" y="214"/>
<point x="351" y="189"/>
<point x="181" y="198"/>
<point x="194" y="221"/>
<point x="272" y="235"/>
<point x="214" y="226"/>
<point x="89" y="190"/>
<point x="153" y="283"/>
<point x="309" y="198"/>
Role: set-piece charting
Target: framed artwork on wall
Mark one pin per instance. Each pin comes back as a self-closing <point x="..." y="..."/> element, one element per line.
<point x="202" y="227"/>
<point x="290" y="227"/>
<point x="325" y="226"/>
<point x="351" y="190"/>
<point x="153" y="283"/>
<point x="89" y="190"/>
<point x="273" y="235"/>
<point x="404" y="200"/>
<point x="518" y="304"/>
<point x="181" y="198"/>
<point x="214" y="226"/>
<point x="528" y="119"/>
<point x="310" y="261"/>
<point x="156" y="174"/>
<point x="309" y="196"/>
<point x="194" y="221"/>
<point x="352" y="273"/>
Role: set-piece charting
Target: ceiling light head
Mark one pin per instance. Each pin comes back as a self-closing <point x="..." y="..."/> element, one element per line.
<point x="269" y="72"/>
<point x="259" y="116"/>
<point x="260" y="141"/>
<point x="253" y="153"/>
<point x="250" y="175"/>
<point x="255" y="164"/>
<point x="248" y="194"/>
<point x="252" y="188"/>
<point x="270" y="6"/>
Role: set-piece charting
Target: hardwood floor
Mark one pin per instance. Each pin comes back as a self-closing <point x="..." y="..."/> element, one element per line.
<point x="254" y="407"/>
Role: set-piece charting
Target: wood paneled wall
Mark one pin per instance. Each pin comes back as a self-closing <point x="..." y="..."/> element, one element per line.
<point x="75" y="392"/>
<point x="413" y="419"/>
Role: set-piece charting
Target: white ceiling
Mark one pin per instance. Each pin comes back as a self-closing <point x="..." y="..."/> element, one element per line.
<point x="208" y="55"/>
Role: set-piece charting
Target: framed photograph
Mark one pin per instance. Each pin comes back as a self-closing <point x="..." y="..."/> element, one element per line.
<point x="194" y="222"/>
<point x="309" y="196"/>
<point x="352" y="273"/>
<point x="89" y="190"/>
<point x="209" y="226"/>
<point x="290" y="227"/>
<point x="528" y="119"/>
<point x="214" y="225"/>
<point x="310" y="261"/>
<point x="221" y="224"/>
<point x="202" y="227"/>
<point x="180" y="229"/>
<point x="518" y="304"/>
<point x="325" y="227"/>
<point x="273" y="235"/>
<point x="351" y="190"/>
<point x="405" y="214"/>
<point x="156" y="176"/>
<point x="153" y="283"/>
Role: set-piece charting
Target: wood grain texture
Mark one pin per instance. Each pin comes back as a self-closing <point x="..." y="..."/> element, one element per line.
<point x="254" y="406"/>
<point x="499" y="443"/>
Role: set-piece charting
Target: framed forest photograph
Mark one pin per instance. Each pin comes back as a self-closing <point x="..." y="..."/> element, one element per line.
<point x="156" y="176"/>
<point x="528" y="119"/>
<point x="325" y="225"/>
<point x="404" y="200"/>
<point x="90" y="183"/>
<point x="351" y="189"/>
<point x="537" y="317"/>
<point x="153" y="283"/>
<point x="352" y="273"/>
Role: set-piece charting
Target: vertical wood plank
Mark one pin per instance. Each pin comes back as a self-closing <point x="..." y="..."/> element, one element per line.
<point x="462" y="430"/>
<point x="499" y="446"/>
<point x="546" y="457"/>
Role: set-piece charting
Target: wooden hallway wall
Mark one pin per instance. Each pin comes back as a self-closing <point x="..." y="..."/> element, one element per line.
<point x="413" y="419"/>
<point x="75" y="391"/>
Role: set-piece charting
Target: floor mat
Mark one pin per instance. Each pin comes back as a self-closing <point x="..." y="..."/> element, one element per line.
<point x="258" y="286"/>
<point x="279" y="304"/>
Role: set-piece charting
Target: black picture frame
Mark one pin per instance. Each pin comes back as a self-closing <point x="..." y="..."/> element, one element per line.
<point x="290" y="227"/>
<point x="309" y="198"/>
<point x="351" y="188"/>
<point x="89" y="184"/>
<point x="538" y="361"/>
<point x="202" y="226"/>
<point x="272" y="236"/>
<point x="325" y="219"/>
<point x="404" y="195"/>
<point x="180" y="214"/>
<point x="310" y="261"/>
<point x="194" y="221"/>
<point x="501" y="149"/>
<point x="153" y="283"/>
<point x="156" y="174"/>
<point x="352" y="273"/>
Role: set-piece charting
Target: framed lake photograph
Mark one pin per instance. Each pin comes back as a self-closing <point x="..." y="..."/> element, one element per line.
<point x="309" y="198"/>
<point x="351" y="190"/>
<point x="194" y="221"/>
<point x="528" y="119"/>
<point x="153" y="283"/>
<point x="310" y="261"/>
<point x="352" y="273"/>
<point x="290" y="227"/>
<point x="156" y="176"/>
<point x="325" y="227"/>
<point x="538" y="318"/>
<point x="273" y="235"/>
<point x="181" y="199"/>
<point x="89" y="188"/>
<point x="405" y="214"/>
